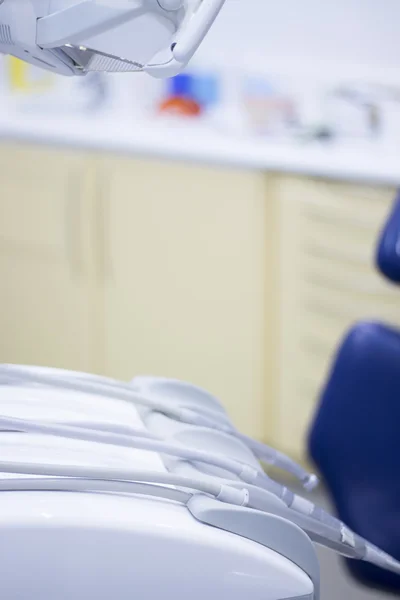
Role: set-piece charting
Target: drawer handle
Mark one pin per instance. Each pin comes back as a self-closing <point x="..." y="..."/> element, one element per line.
<point x="74" y="224"/>
<point x="106" y="271"/>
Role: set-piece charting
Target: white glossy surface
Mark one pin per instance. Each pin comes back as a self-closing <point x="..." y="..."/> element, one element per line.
<point x="97" y="546"/>
<point x="181" y="393"/>
<point x="48" y="405"/>
<point x="76" y="546"/>
<point x="64" y="405"/>
<point x="37" y="449"/>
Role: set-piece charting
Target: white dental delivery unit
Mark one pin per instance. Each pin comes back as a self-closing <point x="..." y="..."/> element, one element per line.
<point x="76" y="37"/>
<point x="146" y="490"/>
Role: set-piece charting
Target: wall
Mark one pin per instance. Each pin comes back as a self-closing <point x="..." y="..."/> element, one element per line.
<point x="361" y="32"/>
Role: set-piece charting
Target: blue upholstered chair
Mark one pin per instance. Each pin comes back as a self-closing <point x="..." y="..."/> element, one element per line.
<point x="355" y="437"/>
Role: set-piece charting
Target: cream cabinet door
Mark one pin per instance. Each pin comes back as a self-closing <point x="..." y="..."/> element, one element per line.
<point x="45" y="301"/>
<point x="188" y="289"/>
<point x="328" y="233"/>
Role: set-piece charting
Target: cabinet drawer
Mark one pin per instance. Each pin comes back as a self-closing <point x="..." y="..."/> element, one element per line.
<point x="361" y="199"/>
<point x="328" y="236"/>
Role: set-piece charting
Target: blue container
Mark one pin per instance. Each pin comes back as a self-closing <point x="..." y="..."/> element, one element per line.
<point x="202" y="89"/>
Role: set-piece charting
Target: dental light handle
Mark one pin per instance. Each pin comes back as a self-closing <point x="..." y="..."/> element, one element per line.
<point x="195" y="29"/>
<point x="172" y="59"/>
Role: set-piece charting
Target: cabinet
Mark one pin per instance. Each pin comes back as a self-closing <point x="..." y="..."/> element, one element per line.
<point x="46" y="301"/>
<point x="126" y="266"/>
<point x="188" y="255"/>
<point x="328" y="234"/>
<point x="240" y="282"/>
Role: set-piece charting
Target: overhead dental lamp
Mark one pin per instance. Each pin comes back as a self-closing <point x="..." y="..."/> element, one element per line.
<point x="146" y="490"/>
<point x="76" y="37"/>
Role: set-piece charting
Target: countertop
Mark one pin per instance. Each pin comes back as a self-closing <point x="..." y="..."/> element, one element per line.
<point x="364" y="161"/>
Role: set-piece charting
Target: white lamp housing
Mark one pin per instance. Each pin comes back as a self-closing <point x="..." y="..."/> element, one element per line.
<point x="76" y="37"/>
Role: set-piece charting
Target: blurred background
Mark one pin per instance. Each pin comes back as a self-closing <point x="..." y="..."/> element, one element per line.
<point x="219" y="227"/>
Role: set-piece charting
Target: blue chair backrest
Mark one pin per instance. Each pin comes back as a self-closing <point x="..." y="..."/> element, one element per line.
<point x="388" y="250"/>
<point x="355" y="438"/>
<point x="355" y="442"/>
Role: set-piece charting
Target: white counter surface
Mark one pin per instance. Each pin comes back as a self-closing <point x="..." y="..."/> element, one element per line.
<point x="364" y="161"/>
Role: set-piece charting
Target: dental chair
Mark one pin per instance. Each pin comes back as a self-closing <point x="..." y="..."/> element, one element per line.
<point x="388" y="252"/>
<point x="355" y="437"/>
